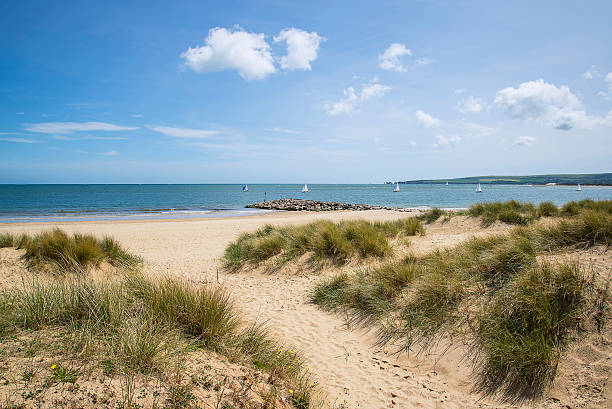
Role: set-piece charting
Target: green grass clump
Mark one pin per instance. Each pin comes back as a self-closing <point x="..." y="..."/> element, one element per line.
<point x="55" y="248"/>
<point x="138" y="325"/>
<point x="522" y="332"/>
<point x="489" y="293"/>
<point x="432" y="215"/>
<point x="573" y="208"/>
<point x="11" y="240"/>
<point x="369" y="294"/>
<point x="588" y="228"/>
<point x="323" y="241"/>
<point x="510" y="212"/>
<point x="547" y="209"/>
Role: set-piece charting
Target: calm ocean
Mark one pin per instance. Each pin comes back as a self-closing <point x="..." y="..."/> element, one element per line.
<point x="23" y="203"/>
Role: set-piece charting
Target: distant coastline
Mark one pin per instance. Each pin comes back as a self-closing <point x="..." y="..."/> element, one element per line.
<point x="587" y="179"/>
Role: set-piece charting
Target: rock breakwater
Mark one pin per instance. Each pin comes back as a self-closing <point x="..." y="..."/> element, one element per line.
<point x="315" y="206"/>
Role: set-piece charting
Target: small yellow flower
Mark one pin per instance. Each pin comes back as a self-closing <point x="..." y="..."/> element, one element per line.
<point x="290" y="390"/>
<point x="53" y="366"/>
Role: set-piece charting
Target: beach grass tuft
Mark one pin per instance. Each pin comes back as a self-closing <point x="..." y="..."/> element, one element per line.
<point x="55" y="250"/>
<point x="510" y="212"/>
<point x="517" y="315"/>
<point x="323" y="241"/>
<point x="135" y="324"/>
<point x="522" y="332"/>
<point x="432" y="215"/>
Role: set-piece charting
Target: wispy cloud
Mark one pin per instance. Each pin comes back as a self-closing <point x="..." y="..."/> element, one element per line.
<point x="471" y="105"/>
<point x="285" y="130"/>
<point x="20" y="140"/>
<point x="110" y="153"/>
<point x="71" y="127"/>
<point x="352" y="99"/>
<point x="591" y="73"/>
<point x="524" y="140"/>
<point x="183" y="132"/>
<point x="89" y="137"/>
<point x="442" y="141"/>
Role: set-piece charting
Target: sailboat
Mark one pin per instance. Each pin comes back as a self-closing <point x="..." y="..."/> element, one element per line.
<point x="396" y="188"/>
<point x="579" y="188"/>
<point x="305" y="188"/>
<point x="479" y="189"/>
<point x="446" y="183"/>
<point x="245" y="188"/>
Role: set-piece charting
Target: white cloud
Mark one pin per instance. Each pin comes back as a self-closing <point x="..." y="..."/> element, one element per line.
<point x="285" y="130"/>
<point x="19" y="140"/>
<point x="344" y="106"/>
<point x="443" y="141"/>
<point x="351" y="99"/>
<point x="70" y="127"/>
<point x="609" y="80"/>
<point x="524" y="140"/>
<point x="548" y="105"/>
<point x="187" y="133"/>
<point x="411" y="143"/>
<point x="470" y="105"/>
<point x="247" y="53"/>
<point x="604" y="95"/>
<point x="302" y="48"/>
<point x="110" y="153"/>
<point x="374" y="91"/>
<point x="591" y="72"/>
<point x="460" y="91"/>
<point x="390" y="59"/>
<point x="426" y="121"/>
<point x="88" y="137"/>
<point x="137" y="115"/>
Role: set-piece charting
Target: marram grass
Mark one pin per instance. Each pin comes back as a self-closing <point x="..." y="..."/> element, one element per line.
<point x="517" y="315"/>
<point x="517" y="213"/>
<point x="323" y="241"/>
<point x="55" y="250"/>
<point x="135" y="324"/>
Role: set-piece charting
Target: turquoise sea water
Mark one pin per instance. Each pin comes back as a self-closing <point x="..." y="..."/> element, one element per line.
<point x="22" y="203"/>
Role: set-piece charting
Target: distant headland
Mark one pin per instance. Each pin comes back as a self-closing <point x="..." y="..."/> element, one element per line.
<point x="596" y="179"/>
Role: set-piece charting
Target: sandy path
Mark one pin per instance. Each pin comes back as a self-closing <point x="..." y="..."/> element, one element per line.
<point x="344" y="361"/>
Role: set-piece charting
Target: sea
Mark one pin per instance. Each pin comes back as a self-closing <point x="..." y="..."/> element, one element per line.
<point x="83" y="202"/>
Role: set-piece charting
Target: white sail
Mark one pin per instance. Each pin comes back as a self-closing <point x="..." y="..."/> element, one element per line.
<point x="396" y="188"/>
<point x="446" y="183"/>
<point x="579" y="188"/>
<point x="479" y="189"/>
<point x="305" y="188"/>
<point x="245" y="188"/>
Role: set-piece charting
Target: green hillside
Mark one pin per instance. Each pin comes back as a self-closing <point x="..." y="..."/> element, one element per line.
<point x="562" y="179"/>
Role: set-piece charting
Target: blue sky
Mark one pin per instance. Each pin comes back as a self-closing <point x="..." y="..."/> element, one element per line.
<point x="289" y="92"/>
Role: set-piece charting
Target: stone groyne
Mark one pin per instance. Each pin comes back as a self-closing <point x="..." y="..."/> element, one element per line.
<point x="315" y="206"/>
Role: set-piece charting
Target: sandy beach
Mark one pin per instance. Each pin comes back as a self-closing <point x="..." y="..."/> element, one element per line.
<point x="346" y="364"/>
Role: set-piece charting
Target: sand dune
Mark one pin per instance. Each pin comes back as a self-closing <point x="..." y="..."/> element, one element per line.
<point x="351" y="371"/>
